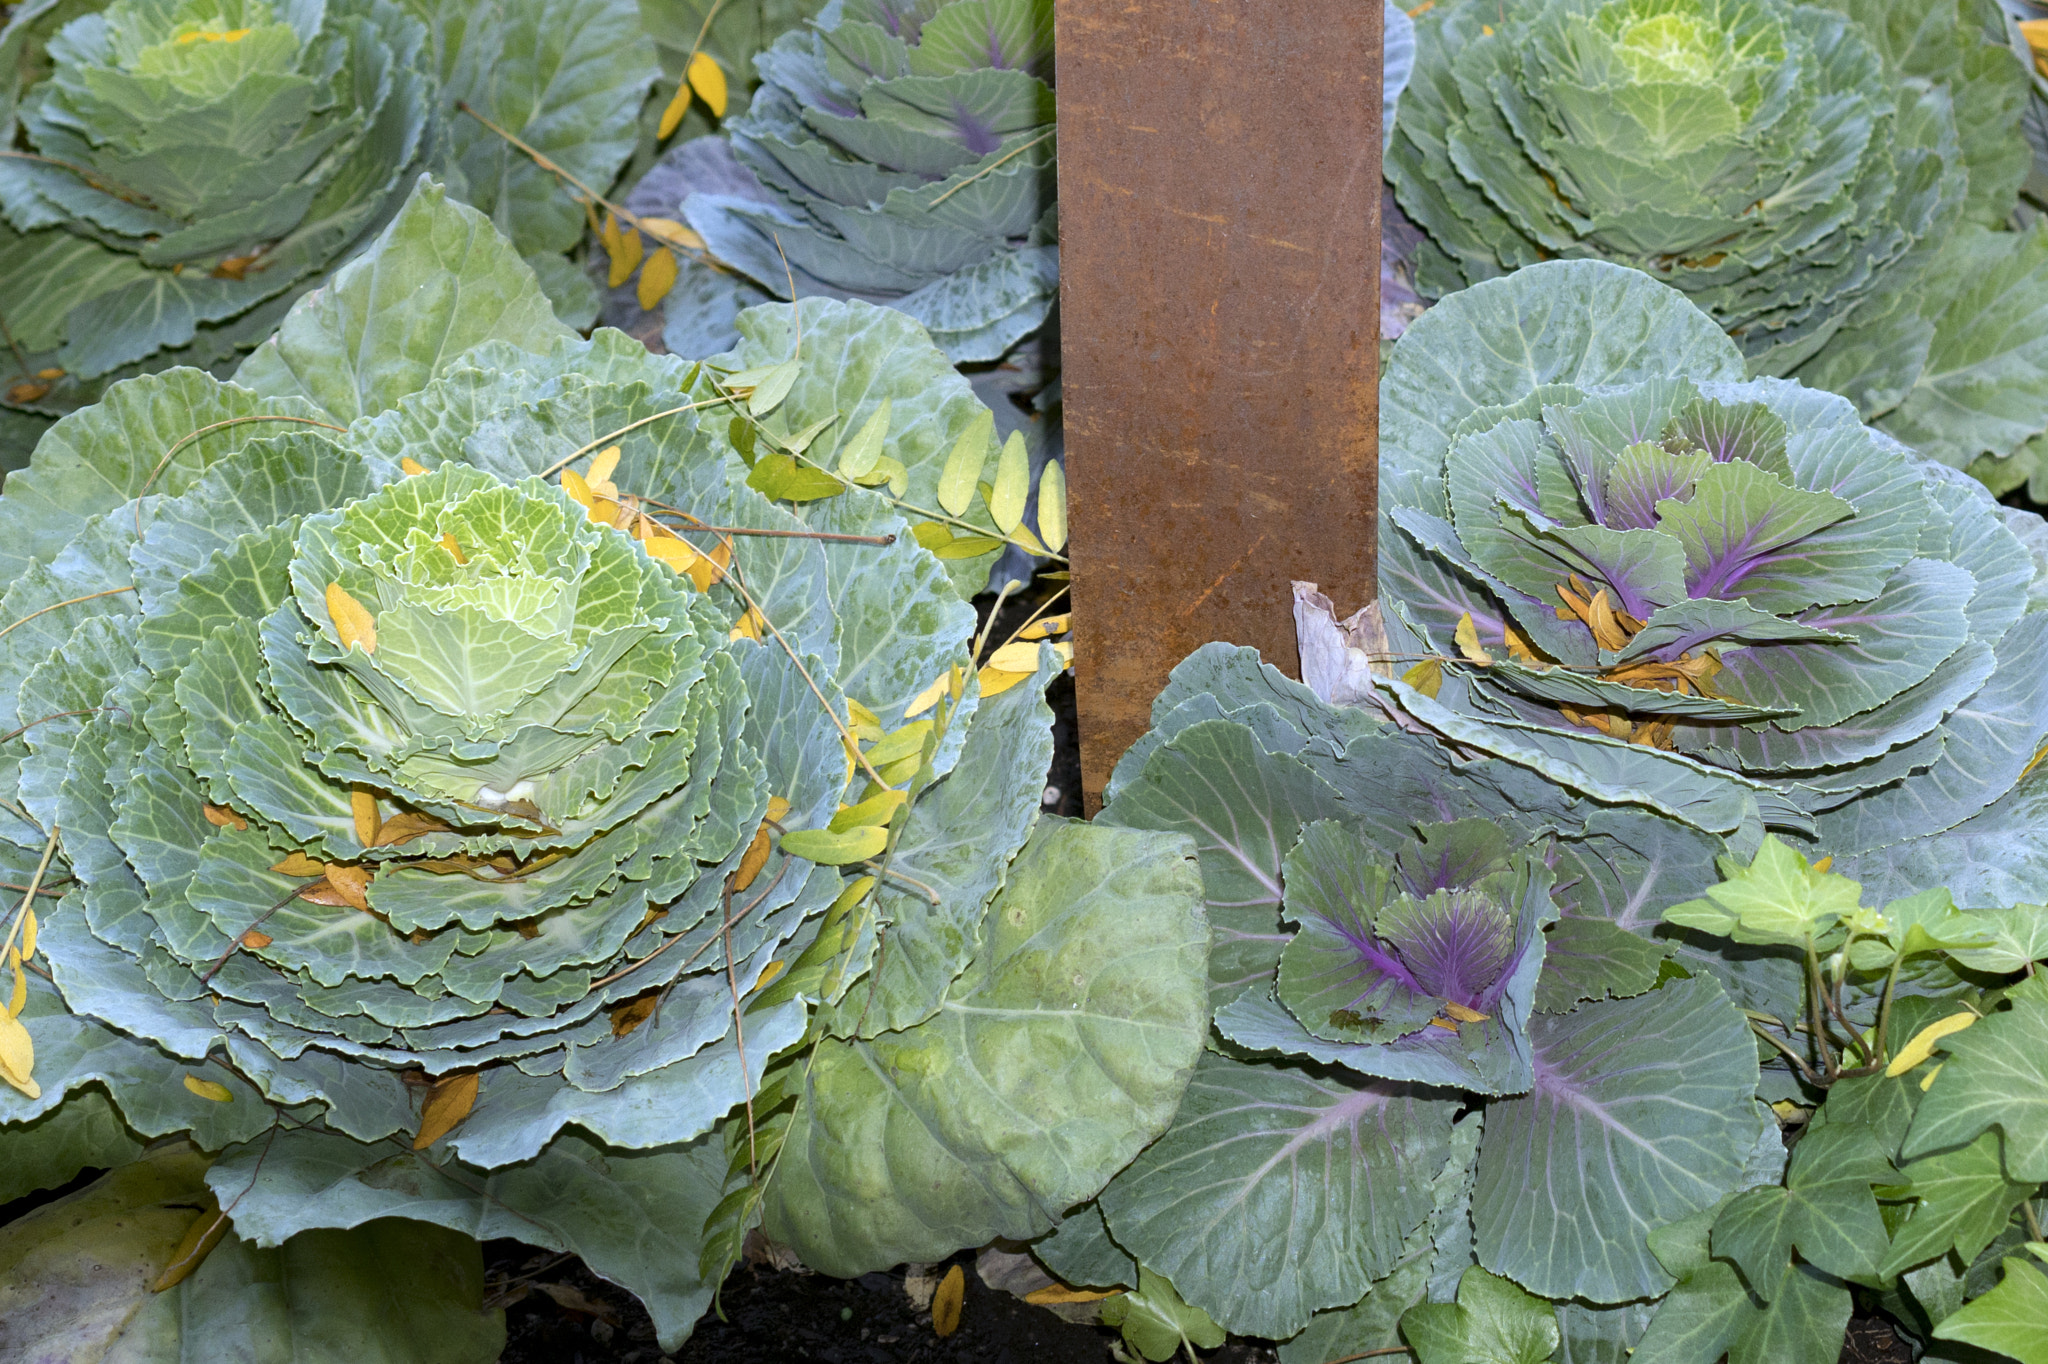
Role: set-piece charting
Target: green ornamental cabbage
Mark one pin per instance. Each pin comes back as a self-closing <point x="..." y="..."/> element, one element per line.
<point x="1610" y="558"/>
<point x="179" y="171"/>
<point x="419" y="742"/>
<point x="904" y="154"/>
<point x="186" y="164"/>
<point x="1822" y="180"/>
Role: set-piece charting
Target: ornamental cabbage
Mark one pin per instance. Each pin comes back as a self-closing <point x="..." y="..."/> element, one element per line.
<point x="901" y="153"/>
<point x="421" y="738"/>
<point x="1613" y="560"/>
<point x="1820" y="179"/>
<point x="179" y="171"/>
<point x="1403" y="933"/>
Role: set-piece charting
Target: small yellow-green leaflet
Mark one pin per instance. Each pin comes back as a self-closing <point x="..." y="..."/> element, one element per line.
<point x="905" y="742"/>
<point x="861" y="454"/>
<point x="1052" y="506"/>
<point x="874" y="812"/>
<point x="963" y="466"/>
<point x="1924" y="1042"/>
<point x="773" y="387"/>
<point x="1013" y="482"/>
<point x="834" y="850"/>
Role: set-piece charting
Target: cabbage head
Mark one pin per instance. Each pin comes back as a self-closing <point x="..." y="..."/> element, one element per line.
<point x="190" y="165"/>
<point x="1444" y="1036"/>
<point x="420" y="743"/>
<point x="903" y="152"/>
<point x="1610" y="557"/>
<point x="1822" y="180"/>
<point x="179" y="171"/>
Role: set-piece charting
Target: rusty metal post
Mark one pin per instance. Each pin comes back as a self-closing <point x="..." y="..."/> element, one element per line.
<point x="1219" y="188"/>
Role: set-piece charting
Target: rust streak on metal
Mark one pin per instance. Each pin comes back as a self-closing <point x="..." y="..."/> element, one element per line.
<point x="1219" y="304"/>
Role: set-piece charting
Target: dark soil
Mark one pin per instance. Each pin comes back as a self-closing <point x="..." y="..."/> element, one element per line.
<point x="792" y="1317"/>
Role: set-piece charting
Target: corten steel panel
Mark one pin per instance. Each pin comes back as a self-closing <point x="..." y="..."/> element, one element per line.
<point x="1219" y="191"/>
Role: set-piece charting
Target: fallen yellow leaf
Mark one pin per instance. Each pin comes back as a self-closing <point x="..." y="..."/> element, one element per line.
<point x="929" y="697"/>
<point x="1924" y="1042"/>
<point x="947" y="1301"/>
<point x="255" y="940"/>
<point x="410" y="466"/>
<point x="756" y="856"/>
<point x="1467" y="639"/>
<point x="210" y="1089"/>
<point x="599" y="475"/>
<point x="454" y="550"/>
<point x="672" y="116"/>
<point x="362" y="804"/>
<point x="354" y="626"/>
<point x="633" y="1013"/>
<point x="351" y="883"/>
<point x="448" y="1103"/>
<point x="669" y="232"/>
<point x="996" y="681"/>
<point x="625" y="258"/>
<point x="198" y="1242"/>
<point x="657" y="277"/>
<point x="708" y="81"/>
<point x="18" y="1056"/>
<point x="220" y="817"/>
<point x="1463" y="1014"/>
<point x="1059" y="1294"/>
<point x="298" y="864"/>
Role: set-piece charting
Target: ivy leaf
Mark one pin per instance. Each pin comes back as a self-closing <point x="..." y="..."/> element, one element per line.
<point x="1156" y="1323"/>
<point x="2011" y="1319"/>
<point x="1826" y="1211"/>
<point x="1964" y="1200"/>
<point x="1779" y="898"/>
<point x="1492" y="1322"/>
<point x="1996" y="1075"/>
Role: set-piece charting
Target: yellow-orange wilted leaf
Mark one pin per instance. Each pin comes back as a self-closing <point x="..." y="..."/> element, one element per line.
<point x="1052" y="506"/>
<point x="18" y="1056"/>
<point x="633" y="1013"/>
<point x="353" y="623"/>
<point x="768" y="974"/>
<point x="410" y="466"/>
<point x="220" y="817"/>
<point x="1923" y="1043"/>
<point x="928" y="698"/>
<point x="256" y="940"/>
<point x="2035" y="31"/>
<point x="750" y="625"/>
<point x="28" y="932"/>
<point x="1443" y="1023"/>
<point x="18" y="999"/>
<point x="1060" y="1294"/>
<point x="657" y="277"/>
<point x="710" y="567"/>
<point x="1048" y="626"/>
<point x="298" y="864"/>
<point x="351" y="883"/>
<point x="946" y="1302"/>
<point x="362" y="804"/>
<point x="447" y="542"/>
<point x="677" y="554"/>
<point x="1463" y="1014"/>
<point x="756" y="856"/>
<point x="996" y="681"/>
<point x="448" y="1103"/>
<point x="1466" y="636"/>
<point x="1015" y="658"/>
<point x="210" y="1089"/>
<point x="198" y="1242"/>
<point x="599" y="475"/>
<point x="709" y="82"/>
<point x="672" y="116"/>
<point x="1926" y="1080"/>
<point x="669" y="232"/>
<point x="407" y="825"/>
<point x="625" y="258"/>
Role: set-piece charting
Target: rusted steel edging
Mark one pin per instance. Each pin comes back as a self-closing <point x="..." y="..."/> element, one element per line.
<point x="1219" y="191"/>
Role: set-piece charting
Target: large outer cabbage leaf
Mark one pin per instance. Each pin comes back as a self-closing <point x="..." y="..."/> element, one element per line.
<point x="1816" y="178"/>
<point x="379" y="742"/>
<point x="1713" y="598"/>
<point x="1415" y="889"/>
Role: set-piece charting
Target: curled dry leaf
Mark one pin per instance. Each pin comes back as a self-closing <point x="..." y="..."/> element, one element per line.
<point x="199" y="1240"/>
<point x="448" y="1103"/>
